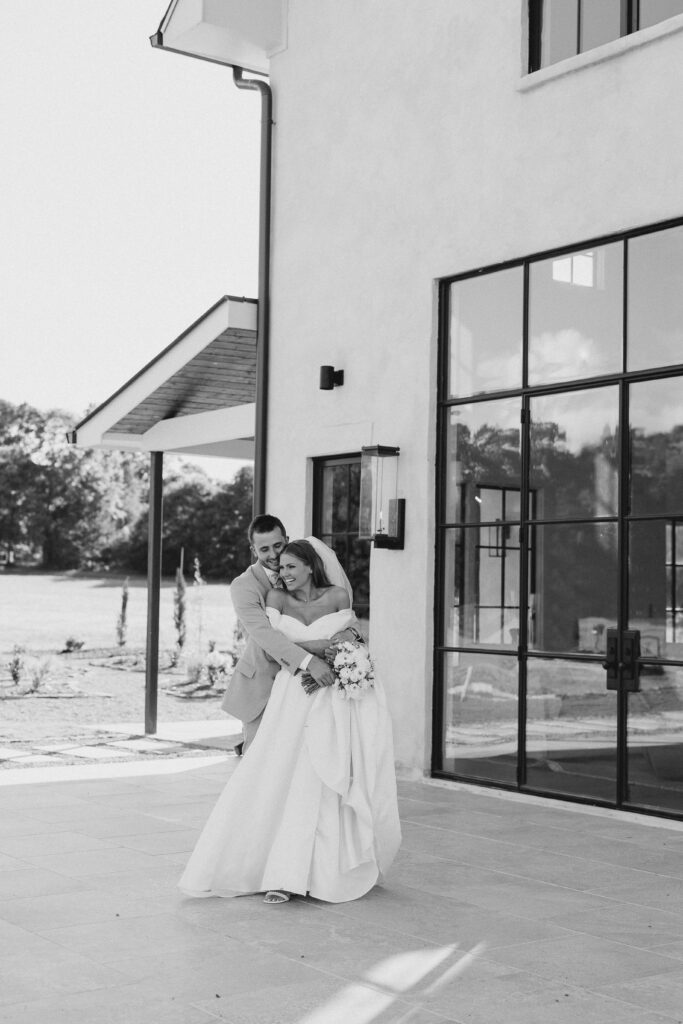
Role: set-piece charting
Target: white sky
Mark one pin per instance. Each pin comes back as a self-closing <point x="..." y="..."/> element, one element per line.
<point x="128" y="197"/>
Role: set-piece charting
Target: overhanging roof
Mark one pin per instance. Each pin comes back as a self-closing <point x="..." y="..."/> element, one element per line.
<point x="241" y="33"/>
<point x="197" y="397"/>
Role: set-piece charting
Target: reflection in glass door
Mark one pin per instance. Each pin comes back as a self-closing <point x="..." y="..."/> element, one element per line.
<point x="336" y="498"/>
<point x="655" y="575"/>
<point x="559" y="655"/>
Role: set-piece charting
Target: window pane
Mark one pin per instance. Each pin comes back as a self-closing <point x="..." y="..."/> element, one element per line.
<point x="653" y="11"/>
<point x="335" y="521"/>
<point x="486" y="333"/>
<point x="655" y="731"/>
<point x="575" y="315"/>
<point x="340" y="498"/>
<point x="483" y="457"/>
<point x="656" y="437"/>
<point x="481" y="586"/>
<point x="655" y="299"/>
<point x="574" y="461"/>
<point x="558" y="29"/>
<point x="354" y="496"/>
<point x="600" y="22"/>
<point x="480" y="716"/>
<point x="571" y="729"/>
<point x="572" y="586"/>
<point x="651" y="589"/>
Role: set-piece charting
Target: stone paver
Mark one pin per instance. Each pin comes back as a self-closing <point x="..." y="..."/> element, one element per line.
<point x="122" y="742"/>
<point x="500" y="909"/>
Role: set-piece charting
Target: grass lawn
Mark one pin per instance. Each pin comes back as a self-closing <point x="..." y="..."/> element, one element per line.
<point x="40" y="610"/>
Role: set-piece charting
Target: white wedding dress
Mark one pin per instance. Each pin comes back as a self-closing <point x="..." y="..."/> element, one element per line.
<point x="312" y="806"/>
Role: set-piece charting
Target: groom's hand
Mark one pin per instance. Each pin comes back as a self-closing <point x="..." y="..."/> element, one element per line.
<point x="320" y="671"/>
<point x="309" y="684"/>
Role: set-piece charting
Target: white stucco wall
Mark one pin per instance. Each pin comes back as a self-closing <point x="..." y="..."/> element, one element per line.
<point x="408" y="147"/>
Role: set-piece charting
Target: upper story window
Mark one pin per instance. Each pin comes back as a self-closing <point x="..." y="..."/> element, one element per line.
<point x="562" y="28"/>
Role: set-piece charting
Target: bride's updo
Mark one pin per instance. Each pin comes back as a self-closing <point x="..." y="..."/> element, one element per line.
<point x="307" y="554"/>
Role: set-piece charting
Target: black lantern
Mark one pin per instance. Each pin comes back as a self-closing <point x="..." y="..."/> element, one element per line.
<point x="382" y="513"/>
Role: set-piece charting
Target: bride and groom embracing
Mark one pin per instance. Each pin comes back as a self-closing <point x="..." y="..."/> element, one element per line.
<point x="311" y="808"/>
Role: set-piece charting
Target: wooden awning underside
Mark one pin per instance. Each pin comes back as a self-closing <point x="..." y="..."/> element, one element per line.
<point x="197" y="396"/>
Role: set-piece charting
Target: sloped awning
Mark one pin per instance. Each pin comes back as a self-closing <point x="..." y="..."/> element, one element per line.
<point x="242" y="33"/>
<point x="197" y="397"/>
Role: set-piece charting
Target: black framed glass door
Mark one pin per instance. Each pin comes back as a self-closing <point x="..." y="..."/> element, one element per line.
<point x="559" y="654"/>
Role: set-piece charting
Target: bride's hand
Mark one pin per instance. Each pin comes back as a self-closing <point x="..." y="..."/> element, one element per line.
<point x="350" y="634"/>
<point x="317" y="647"/>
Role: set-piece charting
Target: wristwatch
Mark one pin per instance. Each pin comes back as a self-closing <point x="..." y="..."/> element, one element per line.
<point x="357" y="636"/>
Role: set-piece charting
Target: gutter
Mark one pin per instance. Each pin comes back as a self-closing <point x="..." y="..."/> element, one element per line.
<point x="263" y="333"/>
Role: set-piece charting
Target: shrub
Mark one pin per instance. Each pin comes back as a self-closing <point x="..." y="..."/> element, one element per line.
<point x="71" y="644"/>
<point x="122" y="621"/>
<point x="180" y="610"/>
<point x="17" y="664"/>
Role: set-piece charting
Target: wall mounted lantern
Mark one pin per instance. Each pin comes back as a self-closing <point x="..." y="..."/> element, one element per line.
<point x="330" y="378"/>
<point x="381" y="517"/>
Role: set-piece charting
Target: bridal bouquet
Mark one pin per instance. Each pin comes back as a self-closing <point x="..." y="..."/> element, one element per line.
<point x="353" y="670"/>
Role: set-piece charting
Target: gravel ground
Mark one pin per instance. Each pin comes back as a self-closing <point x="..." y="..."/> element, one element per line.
<point x="82" y="695"/>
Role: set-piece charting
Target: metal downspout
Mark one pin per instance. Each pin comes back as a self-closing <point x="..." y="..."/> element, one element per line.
<point x="263" y="335"/>
<point x="154" y="546"/>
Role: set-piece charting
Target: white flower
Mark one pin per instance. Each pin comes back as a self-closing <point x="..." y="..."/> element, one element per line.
<point x="353" y="670"/>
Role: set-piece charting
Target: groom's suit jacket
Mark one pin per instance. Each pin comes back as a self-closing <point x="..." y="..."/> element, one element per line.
<point x="266" y="650"/>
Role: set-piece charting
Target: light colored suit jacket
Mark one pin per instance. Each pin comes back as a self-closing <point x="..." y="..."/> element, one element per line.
<point x="266" y="650"/>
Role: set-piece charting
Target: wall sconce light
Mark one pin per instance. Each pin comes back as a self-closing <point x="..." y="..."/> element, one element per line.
<point x="381" y="516"/>
<point x="330" y="378"/>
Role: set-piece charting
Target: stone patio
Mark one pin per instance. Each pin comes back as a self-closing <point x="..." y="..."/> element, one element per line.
<point x="499" y="908"/>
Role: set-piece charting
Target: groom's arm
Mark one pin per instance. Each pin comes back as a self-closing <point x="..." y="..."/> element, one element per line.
<point x="256" y="625"/>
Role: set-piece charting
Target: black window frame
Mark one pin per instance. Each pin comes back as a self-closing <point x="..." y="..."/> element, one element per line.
<point x="629" y="21"/>
<point x="320" y="463"/>
<point x="526" y="654"/>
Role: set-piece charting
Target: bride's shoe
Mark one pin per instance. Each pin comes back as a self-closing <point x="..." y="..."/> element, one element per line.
<point x="276" y="896"/>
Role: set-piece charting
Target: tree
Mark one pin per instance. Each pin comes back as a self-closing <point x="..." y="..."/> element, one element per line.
<point x="208" y="520"/>
<point x="64" y="503"/>
<point x="74" y="507"/>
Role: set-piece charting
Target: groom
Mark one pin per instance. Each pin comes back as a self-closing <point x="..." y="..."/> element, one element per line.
<point x="267" y="649"/>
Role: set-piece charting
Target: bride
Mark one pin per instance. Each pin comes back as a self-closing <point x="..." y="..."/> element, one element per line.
<point x="311" y="809"/>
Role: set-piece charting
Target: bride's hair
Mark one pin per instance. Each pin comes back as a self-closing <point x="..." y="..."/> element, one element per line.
<point x="306" y="553"/>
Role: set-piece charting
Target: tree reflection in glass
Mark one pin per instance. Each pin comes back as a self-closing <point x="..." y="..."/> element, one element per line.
<point x="574" y="464"/>
<point x="656" y="447"/>
<point x="483" y="450"/>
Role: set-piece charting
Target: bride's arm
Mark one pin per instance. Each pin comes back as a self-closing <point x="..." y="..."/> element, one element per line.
<point x="352" y="630"/>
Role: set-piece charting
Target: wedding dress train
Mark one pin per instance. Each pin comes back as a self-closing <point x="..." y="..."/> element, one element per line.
<point x="312" y="806"/>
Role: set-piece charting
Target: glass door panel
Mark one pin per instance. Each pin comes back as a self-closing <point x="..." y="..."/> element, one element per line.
<point x="572" y="586"/>
<point x="574" y="457"/>
<point x="655" y="299"/>
<point x="571" y="729"/>
<point x="655" y="739"/>
<point x="480" y="716"/>
<point x="481" y="586"/>
<point x="485" y="333"/>
<point x="656" y="411"/>
<point x="576" y="315"/>
<point x="483" y="450"/>
<point x="655" y="711"/>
